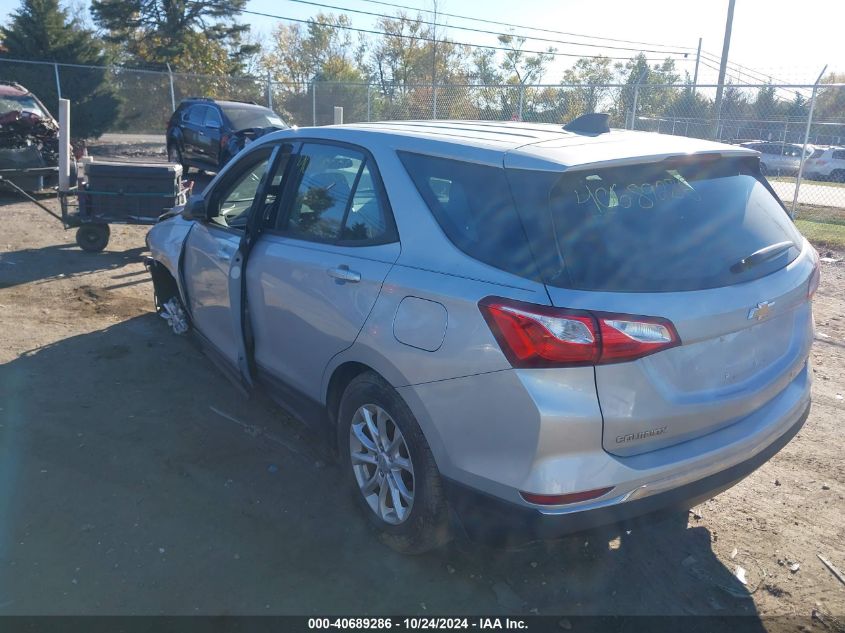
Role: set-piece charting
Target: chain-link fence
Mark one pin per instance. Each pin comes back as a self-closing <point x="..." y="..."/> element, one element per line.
<point x="798" y="128"/>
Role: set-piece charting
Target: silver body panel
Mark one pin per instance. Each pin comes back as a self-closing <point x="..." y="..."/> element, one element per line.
<point x="731" y="389"/>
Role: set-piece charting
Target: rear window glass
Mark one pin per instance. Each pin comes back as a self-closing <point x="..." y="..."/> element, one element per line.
<point x="473" y="205"/>
<point x="244" y="118"/>
<point x="652" y="228"/>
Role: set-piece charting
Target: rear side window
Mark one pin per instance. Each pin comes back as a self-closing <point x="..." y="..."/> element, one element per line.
<point x="472" y="203"/>
<point x="839" y="154"/>
<point x="212" y="117"/>
<point x="661" y="227"/>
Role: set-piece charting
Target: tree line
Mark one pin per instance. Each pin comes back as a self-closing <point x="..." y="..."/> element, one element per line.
<point x="210" y="41"/>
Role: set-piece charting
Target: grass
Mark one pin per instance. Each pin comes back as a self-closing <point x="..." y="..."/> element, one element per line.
<point x="790" y="179"/>
<point x="823" y="226"/>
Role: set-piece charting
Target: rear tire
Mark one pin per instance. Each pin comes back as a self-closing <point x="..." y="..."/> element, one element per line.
<point x="93" y="237"/>
<point x="398" y="465"/>
<point x="838" y="175"/>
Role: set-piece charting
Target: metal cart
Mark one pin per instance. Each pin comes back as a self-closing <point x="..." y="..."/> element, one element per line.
<point x="91" y="212"/>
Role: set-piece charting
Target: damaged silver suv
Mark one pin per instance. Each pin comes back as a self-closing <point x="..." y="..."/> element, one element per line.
<point x="539" y="328"/>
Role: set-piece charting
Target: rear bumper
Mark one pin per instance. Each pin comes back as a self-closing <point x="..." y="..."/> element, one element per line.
<point x="494" y="520"/>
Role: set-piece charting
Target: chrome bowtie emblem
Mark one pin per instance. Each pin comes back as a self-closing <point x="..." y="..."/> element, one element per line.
<point x="761" y="310"/>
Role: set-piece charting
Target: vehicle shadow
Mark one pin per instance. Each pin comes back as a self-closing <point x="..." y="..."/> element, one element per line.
<point x="660" y="565"/>
<point x="63" y="261"/>
<point x="127" y="460"/>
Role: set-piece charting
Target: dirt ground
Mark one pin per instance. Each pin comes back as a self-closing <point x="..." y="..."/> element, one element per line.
<point x="134" y="479"/>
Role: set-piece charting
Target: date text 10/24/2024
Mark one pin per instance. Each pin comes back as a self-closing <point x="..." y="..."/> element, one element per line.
<point x="418" y="623"/>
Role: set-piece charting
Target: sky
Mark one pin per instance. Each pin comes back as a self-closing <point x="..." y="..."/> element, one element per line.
<point x="787" y="41"/>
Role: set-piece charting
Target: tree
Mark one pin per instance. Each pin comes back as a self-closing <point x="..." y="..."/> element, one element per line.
<point x="40" y="30"/>
<point x="178" y="32"/>
<point x="591" y="75"/>
<point x="323" y="52"/>
<point x="830" y="109"/>
<point x="654" y="97"/>
<point x="523" y="70"/>
<point x="405" y="59"/>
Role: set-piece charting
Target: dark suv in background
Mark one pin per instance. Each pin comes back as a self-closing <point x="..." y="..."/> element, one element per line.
<point x="206" y="133"/>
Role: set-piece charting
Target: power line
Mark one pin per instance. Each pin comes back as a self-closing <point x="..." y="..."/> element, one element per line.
<point x="428" y="39"/>
<point x="737" y="75"/>
<point x="488" y="32"/>
<point x="530" y="28"/>
<point x="747" y="71"/>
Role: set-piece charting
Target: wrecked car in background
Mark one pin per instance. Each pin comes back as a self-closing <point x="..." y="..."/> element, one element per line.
<point x="29" y="139"/>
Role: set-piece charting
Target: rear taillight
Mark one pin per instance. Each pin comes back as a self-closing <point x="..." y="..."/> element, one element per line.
<point x="224" y="141"/>
<point x="815" y="277"/>
<point x="542" y="336"/>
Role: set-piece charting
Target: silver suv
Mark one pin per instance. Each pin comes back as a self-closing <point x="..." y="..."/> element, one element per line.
<point x="541" y="328"/>
<point x="779" y="159"/>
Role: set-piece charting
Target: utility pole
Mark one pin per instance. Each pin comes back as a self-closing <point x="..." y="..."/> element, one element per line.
<point x="723" y="66"/>
<point x="697" y="62"/>
<point x="434" y="64"/>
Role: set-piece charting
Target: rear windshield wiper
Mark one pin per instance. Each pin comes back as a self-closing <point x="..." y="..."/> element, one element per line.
<point x="763" y="255"/>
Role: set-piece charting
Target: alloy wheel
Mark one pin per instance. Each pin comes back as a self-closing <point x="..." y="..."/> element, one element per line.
<point x="382" y="464"/>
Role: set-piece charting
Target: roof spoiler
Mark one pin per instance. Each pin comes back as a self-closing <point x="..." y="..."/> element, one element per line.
<point x="593" y="123"/>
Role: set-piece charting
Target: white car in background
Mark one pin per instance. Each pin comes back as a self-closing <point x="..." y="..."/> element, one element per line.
<point x="826" y="164"/>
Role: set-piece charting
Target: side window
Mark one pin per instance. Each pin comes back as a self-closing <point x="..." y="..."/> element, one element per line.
<point x="196" y="114"/>
<point x="235" y="200"/>
<point x="839" y="154"/>
<point x="473" y="205"/>
<point x="212" y="118"/>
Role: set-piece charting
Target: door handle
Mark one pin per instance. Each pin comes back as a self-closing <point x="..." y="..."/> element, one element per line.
<point x="342" y="273"/>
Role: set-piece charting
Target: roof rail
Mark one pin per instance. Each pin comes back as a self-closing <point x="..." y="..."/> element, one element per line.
<point x="214" y="100"/>
<point x="592" y="124"/>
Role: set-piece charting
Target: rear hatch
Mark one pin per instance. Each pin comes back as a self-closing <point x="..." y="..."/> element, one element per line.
<point x="699" y="241"/>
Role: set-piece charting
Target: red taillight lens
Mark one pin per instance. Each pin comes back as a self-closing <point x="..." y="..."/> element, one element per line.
<point x="558" y="500"/>
<point x="224" y="140"/>
<point x="542" y="336"/>
<point x="626" y="337"/>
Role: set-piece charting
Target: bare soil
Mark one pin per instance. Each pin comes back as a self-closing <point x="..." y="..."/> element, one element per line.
<point x="134" y="479"/>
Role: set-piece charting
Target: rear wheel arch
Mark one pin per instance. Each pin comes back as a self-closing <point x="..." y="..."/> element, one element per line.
<point x="342" y="375"/>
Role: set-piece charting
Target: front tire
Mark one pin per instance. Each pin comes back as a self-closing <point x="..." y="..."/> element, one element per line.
<point x="390" y="468"/>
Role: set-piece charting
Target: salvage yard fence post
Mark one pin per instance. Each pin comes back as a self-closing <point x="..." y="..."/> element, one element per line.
<point x="636" y="99"/>
<point x="172" y="90"/>
<point x="806" y="139"/>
